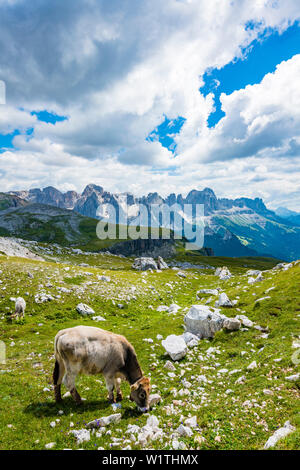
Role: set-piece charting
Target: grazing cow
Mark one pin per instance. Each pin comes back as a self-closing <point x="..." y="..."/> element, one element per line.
<point x="90" y="350"/>
<point x="20" y="306"/>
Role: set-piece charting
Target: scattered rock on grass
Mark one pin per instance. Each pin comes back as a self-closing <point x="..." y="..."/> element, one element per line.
<point x="81" y="435"/>
<point x="223" y="301"/>
<point x="105" y="421"/>
<point x="84" y="309"/>
<point x="232" y="324"/>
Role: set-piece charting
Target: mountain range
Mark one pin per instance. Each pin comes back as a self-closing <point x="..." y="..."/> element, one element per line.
<point x="233" y="227"/>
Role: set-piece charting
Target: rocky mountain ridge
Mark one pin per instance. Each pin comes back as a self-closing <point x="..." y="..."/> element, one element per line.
<point x="233" y="227"/>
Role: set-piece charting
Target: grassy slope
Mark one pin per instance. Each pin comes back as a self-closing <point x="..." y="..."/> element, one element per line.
<point x="66" y="229"/>
<point x="29" y="409"/>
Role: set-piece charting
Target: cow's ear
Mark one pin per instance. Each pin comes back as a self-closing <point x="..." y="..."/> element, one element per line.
<point x="134" y="387"/>
<point x="146" y="382"/>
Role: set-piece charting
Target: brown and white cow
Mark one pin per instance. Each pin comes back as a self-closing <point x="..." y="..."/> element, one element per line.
<point x="90" y="350"/>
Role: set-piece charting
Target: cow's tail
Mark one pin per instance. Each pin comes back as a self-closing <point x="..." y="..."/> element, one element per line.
<point x="56" y="372"/>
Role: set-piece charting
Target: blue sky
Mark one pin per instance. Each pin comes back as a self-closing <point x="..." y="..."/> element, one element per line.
<point x="146" y="96"/>
<point x="259" y="58"/>
<point x="6" y="140"/>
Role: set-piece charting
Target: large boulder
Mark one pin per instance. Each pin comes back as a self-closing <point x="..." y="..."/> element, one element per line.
<point x="175" y="347"/>
<point x="203" y="321"/>
<point x="143" y="264"/>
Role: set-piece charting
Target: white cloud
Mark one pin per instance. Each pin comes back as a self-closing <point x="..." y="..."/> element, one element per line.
<point x="260" y="119"/>
<point x="116" y="68"/>
<point x="12" y="118"/>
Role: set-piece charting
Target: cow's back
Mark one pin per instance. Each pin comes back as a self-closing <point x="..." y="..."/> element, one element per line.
<point x="90" y="350"/>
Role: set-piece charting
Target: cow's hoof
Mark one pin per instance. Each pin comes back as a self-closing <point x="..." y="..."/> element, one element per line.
<point x="119" y="397"/>
<point x="111" y="400"/>
<point x="79" y="402"/>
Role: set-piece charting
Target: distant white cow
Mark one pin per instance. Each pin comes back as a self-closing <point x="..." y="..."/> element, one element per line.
<point x="20" y="306"/>
<point x="91" y="350"/>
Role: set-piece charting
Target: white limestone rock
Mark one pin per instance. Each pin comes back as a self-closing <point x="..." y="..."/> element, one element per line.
<point x="252" y="366"/>
<point x="223" y="273"/>
<point x="84" y="309"/>
<point x="154" y="399"/>
<point x="169" y="366"/>
<point x="184" y="431"/>
<point x="143" y="264"/>
<point x="293" y="378"/>
<point x="81" y="435"/>
<point x="279" y="434"/>
<point x="232" y="324"/>
<point x="207" y="292"/>
<point x="245" y="321"/>
<point x="105" y="421"/>
<point x="224" y="301"/>
<point x="161" y="264"/>
<point x="191" y="422"/>
<point x="175" y="347"/>
<point x="203" y="321"/>
<point x="181" y="274"/>
<point x="190" y="339"/>
<point x="173" y="308"/>
<point x="98" y="318"/>
<point x="42" y="298"/>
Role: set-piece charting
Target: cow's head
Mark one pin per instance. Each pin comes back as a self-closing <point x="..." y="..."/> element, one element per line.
<point x="139" y="393"/>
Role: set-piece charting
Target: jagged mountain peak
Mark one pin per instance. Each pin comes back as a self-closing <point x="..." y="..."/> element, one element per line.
<point x="90" y="188"/>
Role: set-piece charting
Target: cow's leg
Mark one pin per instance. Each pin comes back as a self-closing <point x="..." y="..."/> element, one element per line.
<point x="69" y="381"/>
<point x="110" y="388"/>
<point x="118" y="389"/>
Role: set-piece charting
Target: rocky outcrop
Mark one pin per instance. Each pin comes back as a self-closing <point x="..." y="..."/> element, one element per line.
<point x="148" y="247"/>
<point x="144" y="264"/>
<point x="228" y="223"/>
<point x="161" y="264"/>
<point x="14" y="247"/>
<point x="49" y="195"/>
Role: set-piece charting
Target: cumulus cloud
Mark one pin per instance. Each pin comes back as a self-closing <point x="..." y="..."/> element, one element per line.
<point x="260" y="119"/>
<point x="115" y="69"/>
